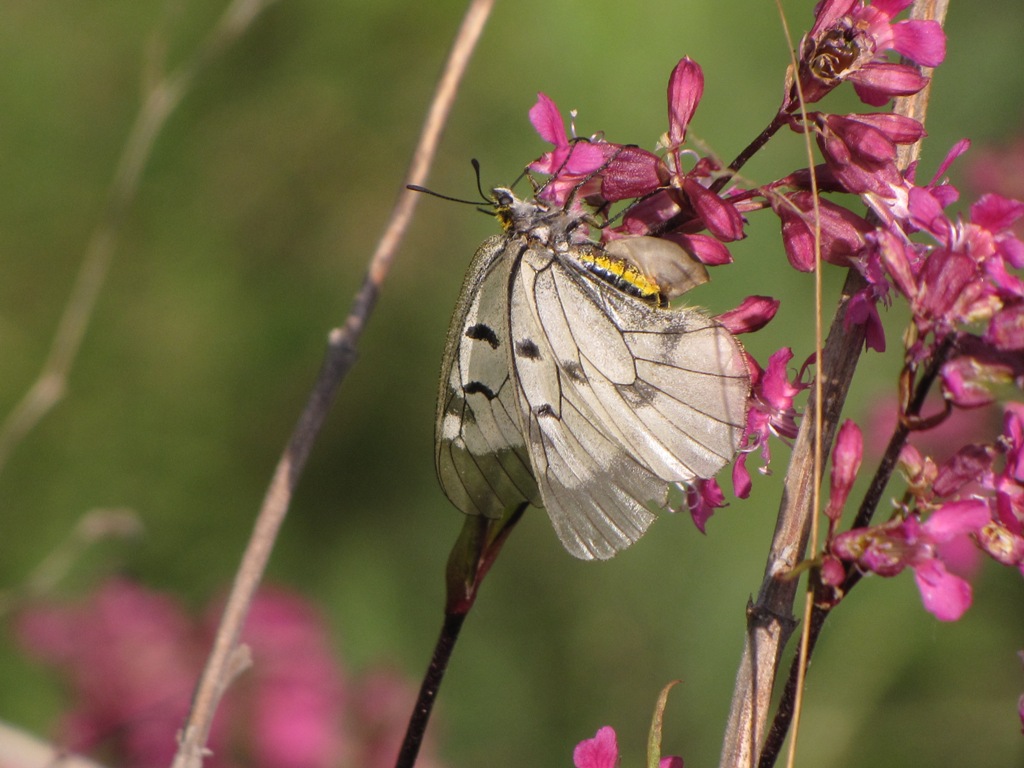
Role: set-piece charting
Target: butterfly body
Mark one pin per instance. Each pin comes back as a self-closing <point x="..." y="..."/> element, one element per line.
<point x="565" y="385"/>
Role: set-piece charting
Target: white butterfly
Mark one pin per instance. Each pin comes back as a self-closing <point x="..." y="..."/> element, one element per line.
<point x="565" y="385"/>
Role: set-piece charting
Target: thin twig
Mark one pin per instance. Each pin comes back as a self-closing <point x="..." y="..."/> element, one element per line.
<point x="339" y="358"/>
<point x="161" y="99"/>
<point x="770" y="619"/>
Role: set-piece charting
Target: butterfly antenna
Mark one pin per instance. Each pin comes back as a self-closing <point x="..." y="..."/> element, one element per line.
<point x="479" y="187"/>
<point x="418" y="188"/>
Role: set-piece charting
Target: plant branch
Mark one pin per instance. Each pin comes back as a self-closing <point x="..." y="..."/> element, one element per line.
<point x="339" y="357"/>
<point x="770" y="620"/>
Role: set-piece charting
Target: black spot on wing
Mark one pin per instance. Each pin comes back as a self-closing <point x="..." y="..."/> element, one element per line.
<point x="638" y="394"/>
<point x="543" y="410"/>
<point x="481" y="332"/>
<point x="526" y="348"/>
<point x="478" y="387"/>
<point x="574" y="371"/>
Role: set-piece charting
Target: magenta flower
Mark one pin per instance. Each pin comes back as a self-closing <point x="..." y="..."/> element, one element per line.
<point x="849" y="41"/>
<point x="846" y="458"/>
<point x="584" y="169"/>
<point x="753" y="314"/>
<point x="842" y="231"/>
<point x="860" y="150"/>
<point x="296" y="695"/>
<point x="703" y="497"/>
<point x="889" y="548"/>
<point x="570" y="163"/>
<point x="670" y="201"/>
<point x="771" y="413"/>
<point x="602" y="751"/>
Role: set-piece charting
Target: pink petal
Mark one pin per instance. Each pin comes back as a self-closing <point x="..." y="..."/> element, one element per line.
<point x="919" y="40"/>
<point x="876" y="83"/>
<point x="954" y="152"/>
<point x="956" y="519"/>
<point x="705" y="248"/>
<point x="721" y="217"/>
<point x="944" y="595"/>
<point x="897" y="128"/>
<point x="893" y="255"/>
<point x="996" y="213"/>
<point x="890" y="8"/>
<point x="703" y="497"/>
<point x="828" y="12"/>
<point x="547" y="120"/>
<point x="631" y="172"/>
<point x="741" y="484"/>
<point x="602" y="751"/>
<point x="753" y="314"/>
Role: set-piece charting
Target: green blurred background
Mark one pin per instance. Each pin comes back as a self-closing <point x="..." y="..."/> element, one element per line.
<point x="251" y="231"/>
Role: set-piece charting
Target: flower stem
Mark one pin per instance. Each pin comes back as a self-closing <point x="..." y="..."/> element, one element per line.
<point x="751" y="149"/>
<point x="428" y="690"/>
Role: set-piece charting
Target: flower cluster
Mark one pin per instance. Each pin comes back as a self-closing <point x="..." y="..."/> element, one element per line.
<point x="678" y="195"/>
<point x="959" y="277"/>
<point x="977" y="496"/>
<point x="132" y="656"/>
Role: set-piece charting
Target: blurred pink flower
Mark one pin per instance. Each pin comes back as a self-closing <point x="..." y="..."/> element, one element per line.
<point x="132" y="657"/>
<point x="295" y="694"/>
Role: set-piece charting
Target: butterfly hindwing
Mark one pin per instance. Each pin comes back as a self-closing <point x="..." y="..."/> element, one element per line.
<point x="481" y="458"/>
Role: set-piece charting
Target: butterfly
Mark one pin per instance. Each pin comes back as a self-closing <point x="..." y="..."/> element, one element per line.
<point x="568" y="384"/>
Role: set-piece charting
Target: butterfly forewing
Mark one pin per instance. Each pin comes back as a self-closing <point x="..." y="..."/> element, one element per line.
<point x="611" y="426"/>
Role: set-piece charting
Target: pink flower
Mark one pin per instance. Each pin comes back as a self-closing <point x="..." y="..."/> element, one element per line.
<point x="297" y="695"/>
<point x="888" y="548"/>
<point x="771" y="413"/>
<point x="753" y="314"/>
<point x="842" y="231"/>
<point x="849" y="41"/>
<point x="132" y="658"/>
<point x="846" y="457"/>
<point x="671" y="202"/>
<point x="576" y="159"/>
<point x="602" y="751"/>
<point x="860" y="150"/>
<point x="703" y="497"/>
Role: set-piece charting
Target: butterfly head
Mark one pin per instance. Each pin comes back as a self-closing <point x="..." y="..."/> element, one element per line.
<point x="537" y="220"/>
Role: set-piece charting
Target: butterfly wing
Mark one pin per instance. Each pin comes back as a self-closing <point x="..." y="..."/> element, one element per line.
<point x="481" y="456"/>
<point x="621" y="400"/>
